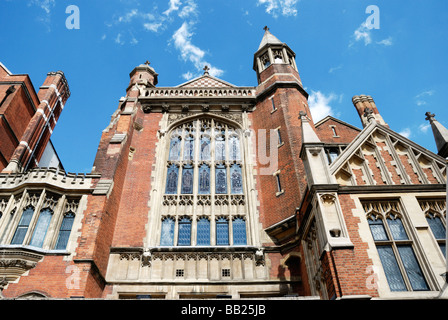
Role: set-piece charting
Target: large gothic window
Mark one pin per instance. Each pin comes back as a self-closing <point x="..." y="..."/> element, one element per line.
<point x="205" y="176"/>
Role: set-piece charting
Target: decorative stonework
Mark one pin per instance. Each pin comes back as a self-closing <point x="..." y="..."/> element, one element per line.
<point x="14" y="262"/>
<point x="236" y="117"/>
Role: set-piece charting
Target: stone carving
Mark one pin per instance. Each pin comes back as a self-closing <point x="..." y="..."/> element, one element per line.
<point x="173" y="117"/>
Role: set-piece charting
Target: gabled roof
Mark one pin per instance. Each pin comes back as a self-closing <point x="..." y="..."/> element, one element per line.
<point x="366" y="134"/>
<point x="206" y="81"/>
<point x="322" y="121"/>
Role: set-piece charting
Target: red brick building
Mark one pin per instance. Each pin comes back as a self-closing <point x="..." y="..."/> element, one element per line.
<point x="208" y="189"/>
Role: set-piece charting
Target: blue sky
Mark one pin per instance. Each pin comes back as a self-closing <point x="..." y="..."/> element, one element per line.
<point x="402" y="64"/>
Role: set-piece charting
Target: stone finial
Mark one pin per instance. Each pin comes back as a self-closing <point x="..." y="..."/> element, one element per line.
<point x="430" y="116"/>
<point x="206" y="69"/>
<point x="368" y="113"/>
<point x="147" y="63"/>
<point x="266" y="28"/>
<point x="440" y="134"/>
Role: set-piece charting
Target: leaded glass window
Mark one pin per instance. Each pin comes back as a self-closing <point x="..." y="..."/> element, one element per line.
<point x="171" y="179"/>
<point x="391" y="268"/>
<point x="395" y="246"/>
<point x="222" y="231"/>
<point x="175" y="146"/>
<point x="435" y="212"/>
<point x="205" y="147"/>
<point x="41" y="228"/>
<point x="203" y="232"/>
<point x="64" y="231"/>
<point x="167" y="232"/>
<point x="204" y="168"/>
<point x="236" y="179"/>
<point x="204" y="179"/>
<point x="221" y="179"/>
<point x="184" y="238"/>
<point x="220" y="146"/>
<point x="189" y="148"/>
<point x="239" y="231"/>
<point x="187" y="179"/>
<point x="22" y="228"/>
<point x="234" y="148"/>
<point x="377" y="229"/>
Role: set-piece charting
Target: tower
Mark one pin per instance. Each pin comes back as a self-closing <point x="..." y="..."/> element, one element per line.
<point x="281" y="99"/>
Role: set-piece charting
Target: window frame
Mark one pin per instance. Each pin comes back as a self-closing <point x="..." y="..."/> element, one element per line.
<point x="396" y="212"/>
<point x="41" y="201"/>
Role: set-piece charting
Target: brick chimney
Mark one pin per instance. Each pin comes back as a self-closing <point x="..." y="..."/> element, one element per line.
<point x="367" y="110"/>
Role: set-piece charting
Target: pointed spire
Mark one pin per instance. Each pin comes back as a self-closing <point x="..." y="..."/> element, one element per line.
<point x="440" y="134"/>
<point x="268" y="38"/>
<point x="308" y="134"/>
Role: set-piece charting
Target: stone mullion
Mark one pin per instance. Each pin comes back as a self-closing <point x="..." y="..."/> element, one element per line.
<point x="212" y="188"/>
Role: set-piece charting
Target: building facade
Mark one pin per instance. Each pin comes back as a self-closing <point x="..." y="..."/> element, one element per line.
<point x="208" y="189"/>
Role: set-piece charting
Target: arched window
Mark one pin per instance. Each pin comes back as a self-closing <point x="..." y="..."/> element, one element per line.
<point x="184" y="238"/>
<point x="167" y="232"/>
<point x="22" y="228"/>
<point x="239" y="231"/>
<point x="41" y="228"/>
<point x="203" y="232"/>
<point x="204" y="168"/>
<point x="222" y="231"/>
<point x="64" y="231"/>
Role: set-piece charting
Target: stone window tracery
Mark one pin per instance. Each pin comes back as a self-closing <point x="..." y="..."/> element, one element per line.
<point x="204" y="179"/>
<point x="40" y="220"/>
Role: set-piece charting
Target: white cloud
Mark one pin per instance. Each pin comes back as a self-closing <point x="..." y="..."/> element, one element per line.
<point x="386" y="42"/>
<point x="424" y="127"/>
<point x="188" y="75"/>
<point x="189" y="9"/>
<point x="128" y="16"/>
<point x="333" y="69"/>
<point x="420" y="98"/>
<point x="319" y="104"/>
<point x="406" y="132"/>
<point x="153" y="26"/>
<point x="363" y="34"/>
<point x="174" y="6"/>
<point x="280" y="7"/>
<point x="190" y="52"/>
<point x="46" y="5"/>
<point x="119" y="40"/>
<point x="425" y="93"/>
